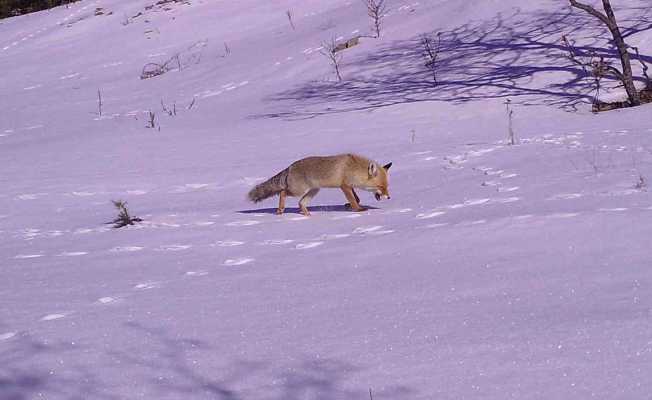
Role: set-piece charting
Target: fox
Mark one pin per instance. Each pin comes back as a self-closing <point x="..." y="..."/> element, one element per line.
<point x="304" y="178"/>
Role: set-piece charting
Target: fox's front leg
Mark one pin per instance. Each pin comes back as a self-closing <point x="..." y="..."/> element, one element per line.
<point x="348" y="205"/>
<point x="353" y="198"/>
<point x="281" y="202"/>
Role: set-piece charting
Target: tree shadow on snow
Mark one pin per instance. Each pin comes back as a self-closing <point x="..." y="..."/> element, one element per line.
<point x="31" y="368"/>
<point x="518" y="56"/>
<point x="174" y="358"/>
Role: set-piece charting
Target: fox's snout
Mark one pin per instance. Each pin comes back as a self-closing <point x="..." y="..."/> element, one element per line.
<point x="379" y="195"/>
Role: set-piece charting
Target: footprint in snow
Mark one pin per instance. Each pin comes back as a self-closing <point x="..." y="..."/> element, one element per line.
<point x="277" y="242"/>
<point x="83" y="194"/>
<point x="204" y="223"/>
<point x="309" y="245"/>
<point x="52" y="317"/>
<point x="429" y="215"/>
<point x="563" y="215"/>
<point x="237" y="261"/>
<point x="27" y="256"/>
<point x="196" y="273"/>
<point x="227" y="243"/>
<point x="242" y="223"/>
<point x="565" y="196"/>
<point x="332" y="236"/>
<point x="506" y="200"/>
<point x="72" y="254"/>
<point x="367" y="229"/>
<point x="107" y="300"/>
<point x="436" y="225"/>
<point x="30" y="196"/>
<point x="173" y="247"/>
<point x="147" y="285"/>
<point x="7" y="335"/>
<point x="126" y="249"/>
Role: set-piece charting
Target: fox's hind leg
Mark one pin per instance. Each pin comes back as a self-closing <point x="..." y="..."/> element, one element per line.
<point x="305" y="199"/>
<point x="352" y="198"/>
<point x="281" y="202"/>
<point x="357" y="199"/>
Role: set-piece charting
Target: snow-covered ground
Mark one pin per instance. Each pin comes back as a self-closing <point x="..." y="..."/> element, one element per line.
<point x="493" y="272"/>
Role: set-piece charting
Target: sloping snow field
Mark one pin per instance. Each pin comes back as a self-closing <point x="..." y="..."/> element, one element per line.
<point x="494" y="272"/>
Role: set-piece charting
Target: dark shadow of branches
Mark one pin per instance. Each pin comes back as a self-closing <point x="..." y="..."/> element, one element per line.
<point x="170" y="356"/>
<point x="519" y="56"/>
<point x="26" y="372"/>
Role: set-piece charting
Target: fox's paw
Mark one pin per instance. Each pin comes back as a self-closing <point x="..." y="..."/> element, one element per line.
<point x="279" y="211"/>
<point x="360" y="209"/>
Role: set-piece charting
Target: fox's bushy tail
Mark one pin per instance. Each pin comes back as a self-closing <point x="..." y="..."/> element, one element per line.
<point x="270" y="187"/>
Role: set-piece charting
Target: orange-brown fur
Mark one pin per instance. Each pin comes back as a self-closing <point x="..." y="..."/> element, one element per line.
<point x="305" y="177"/>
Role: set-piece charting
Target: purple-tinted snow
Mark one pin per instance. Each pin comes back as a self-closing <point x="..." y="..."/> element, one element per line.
<point x="494" y="271"/>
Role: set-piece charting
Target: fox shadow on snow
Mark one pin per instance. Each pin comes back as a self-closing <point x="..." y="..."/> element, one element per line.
<point x="518" y="56"/>
<point x="295" y="210"/>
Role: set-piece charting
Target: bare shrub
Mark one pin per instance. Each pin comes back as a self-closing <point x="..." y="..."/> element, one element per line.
<point x="290" y="16"/>
<point x="189" y="56"/>
<point x="511" y="137"/>
<point x="335" y="58"/>
<point x="124" y="218"/>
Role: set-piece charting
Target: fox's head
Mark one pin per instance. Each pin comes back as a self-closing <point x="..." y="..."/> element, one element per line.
<point x="378" y="180"/>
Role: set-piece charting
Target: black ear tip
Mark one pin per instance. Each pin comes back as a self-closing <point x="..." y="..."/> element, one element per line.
<point x="387" y="166"/>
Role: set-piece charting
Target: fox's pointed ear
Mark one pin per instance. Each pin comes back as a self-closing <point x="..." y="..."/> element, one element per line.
<point x="373" y="169"/>
<point x="387" y="166"/>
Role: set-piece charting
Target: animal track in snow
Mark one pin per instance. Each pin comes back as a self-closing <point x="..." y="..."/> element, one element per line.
<point x="367" y="229"/>
<point x="476" y="202"/>
<point x="437" y="225"/>
<point x="331" y="236"/>
<point x="227" y="243"/>
<point x="309" y="245"/>
<point x="242" y="223"/>
<point x="72" y="254"/>
<point x="27" y="256"/>
<point x="107" y="300"/>
<point x="505" y="200"/>
<point x="203" y="223"/>
<point x="429" y="215"/>
<point x="277" y="242"/>
<point x="174" y="247"/>
<point x="126" y="249"/>
<point x="7" y="335"/>
<point x="147" y="285"/>
<point x="563" y="215"/>
<point x="196" y="273"/>
<point x="83" y="194"/>
<point x="238" y="261"/>
<point x="30" y="196"/>
<point x="52" y="317"/>
<point x="565" y="196"/>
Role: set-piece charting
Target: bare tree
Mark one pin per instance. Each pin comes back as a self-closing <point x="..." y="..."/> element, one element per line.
<point x="330" y="51"/>
<point x="376" y="9"/>
<point x="608" y="18"/>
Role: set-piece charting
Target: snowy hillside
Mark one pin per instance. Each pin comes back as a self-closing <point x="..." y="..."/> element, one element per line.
<point x="494" y="271"/>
